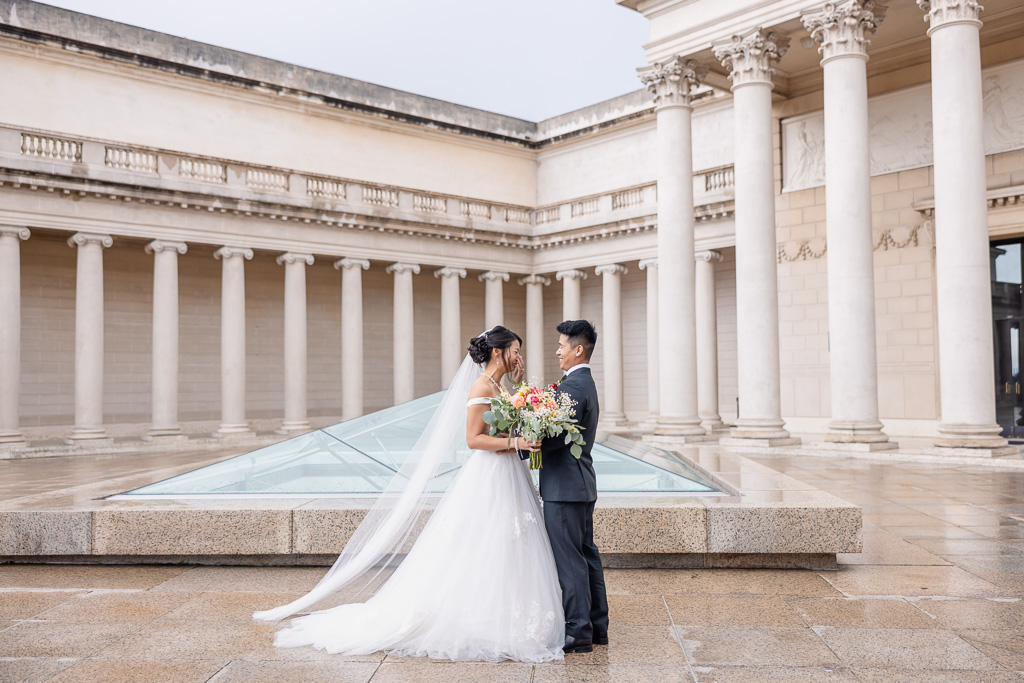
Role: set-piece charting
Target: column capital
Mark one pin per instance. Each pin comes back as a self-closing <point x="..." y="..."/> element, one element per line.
<point x="839" y="27"/>
<point x="157" y="246"/>
<point x="647" y="263"/>
<point x="749" y="56"/>
<point x="230" y="252"/>
<point x="611" y="269"/>
<point x="672" y="80"/>
<point x="707" y="256"/>
<point x="570" y="275"/>
<point x="351" y="263"/>
<point x="15" y="231"/>
<point x="399" y="268"/>
<point x="449" y="271"/>
<point x="290" y="257"/>
<point x="492" y="276"/>
<point x="945" y="12"/>
<point x="80" y="239"/>
<point x="534" y="280"/>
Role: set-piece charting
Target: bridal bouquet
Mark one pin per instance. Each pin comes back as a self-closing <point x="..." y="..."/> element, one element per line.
<point x="535" y="414"/>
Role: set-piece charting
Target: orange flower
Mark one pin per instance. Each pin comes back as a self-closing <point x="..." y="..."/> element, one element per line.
<point x="519" y="401"/>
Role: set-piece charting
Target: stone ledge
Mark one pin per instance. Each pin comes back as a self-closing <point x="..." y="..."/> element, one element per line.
<point x="769" y="519"/>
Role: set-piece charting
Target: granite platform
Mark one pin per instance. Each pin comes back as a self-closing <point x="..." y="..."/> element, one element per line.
<point x="767" y="520"/>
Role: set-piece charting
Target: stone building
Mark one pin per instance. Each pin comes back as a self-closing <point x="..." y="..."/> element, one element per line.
<point x="808" y="222"/>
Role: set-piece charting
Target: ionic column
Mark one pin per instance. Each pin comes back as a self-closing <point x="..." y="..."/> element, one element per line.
<point x="232" y="340"/>
<point x="707" y="342"/>
<point x="295" y="343"/>
<point x="404" y="342"/>
<point x="451" y="322"/>
<point x="89" y="337"/>
<point x="963" y="284"/>
<point x="671" y="83"/>
<point x="351" y="335"/>
<point x="653" y="382"/>
<point x="494" y="298"/>
<point x="613" y="413"/>
<point x="571" y="297"/>
<point x="840" y="29"/>
<point x="165" y="339"/>
<point x="748" y="58"/>
<point x="10" y="333"/>
<point x="535" y="332"/>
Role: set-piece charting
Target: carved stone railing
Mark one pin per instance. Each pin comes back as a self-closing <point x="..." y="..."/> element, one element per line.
<point x="282" y="194"/>
<point x="325" y="188"/>
<point x="380" y="196"/>
<point x="263" y="180"/>
<point x="429" y="203"/>
<point x="200" y="169"/>
<point x="50" y="147"/>
<point x="549" y="215"/>
<point x="719" y="180"/>
<point x="475" y="210"/>
<point x="585" y="207"/>
<point x="130" y="160"/>
<point x="628" y="199"/>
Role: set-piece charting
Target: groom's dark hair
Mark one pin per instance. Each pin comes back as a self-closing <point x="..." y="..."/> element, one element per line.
<point x="580" y="333"/>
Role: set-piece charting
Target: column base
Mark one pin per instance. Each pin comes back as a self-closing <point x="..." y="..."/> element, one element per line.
<point x="1009" y="451"/>
<point x="853" y="446"/>
<point x="293" y="427"/>
<point x="757" y="441"/>
<point x="675" y="431"/>
<point x="81" y="436"/>
<point x="231" y="431"/>
<point x="675" y="440"/>
<point x="970" y="436"/>
<point x="842" y="432"/>
<point x="714" y="426"/>
<point x="12" y="438"/>
<point x="760" y="430"/>
<point x="165" y="434"/>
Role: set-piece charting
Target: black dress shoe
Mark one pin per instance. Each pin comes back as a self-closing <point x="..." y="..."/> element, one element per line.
<point x="578" y="645"/>
<point x="601" y="638"/>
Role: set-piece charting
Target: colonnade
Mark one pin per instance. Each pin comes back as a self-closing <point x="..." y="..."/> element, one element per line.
<point x="962" y="247"/>
<point x="165" y="425"/>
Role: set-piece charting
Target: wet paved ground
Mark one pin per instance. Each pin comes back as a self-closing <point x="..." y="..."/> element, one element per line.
<point x="936" y="596"/>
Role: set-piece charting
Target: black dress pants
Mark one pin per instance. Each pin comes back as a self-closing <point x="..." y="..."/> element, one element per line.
<point x="570" y="528"/>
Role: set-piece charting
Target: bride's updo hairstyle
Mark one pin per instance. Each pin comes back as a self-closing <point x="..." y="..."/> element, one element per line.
<point x="497" y="337"/>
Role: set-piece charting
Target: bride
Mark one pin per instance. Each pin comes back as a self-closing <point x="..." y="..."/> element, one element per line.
<point x="479" y="582"/>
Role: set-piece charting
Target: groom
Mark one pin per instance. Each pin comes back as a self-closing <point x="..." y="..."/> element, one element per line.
<point x="569" y="489"/>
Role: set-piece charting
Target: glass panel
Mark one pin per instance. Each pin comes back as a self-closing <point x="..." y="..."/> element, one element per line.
<point x="313" y="463"/>
<point x="623" y="465"/>
<point x="360" y="456"/>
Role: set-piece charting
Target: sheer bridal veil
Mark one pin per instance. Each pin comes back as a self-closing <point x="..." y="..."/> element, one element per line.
<point x="389" y="523"/>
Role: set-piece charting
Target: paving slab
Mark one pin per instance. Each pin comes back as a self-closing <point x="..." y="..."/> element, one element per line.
<point x="904" y="648"/>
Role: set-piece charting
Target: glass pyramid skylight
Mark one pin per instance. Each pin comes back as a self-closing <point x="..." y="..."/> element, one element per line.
<point x="358" y="457"/>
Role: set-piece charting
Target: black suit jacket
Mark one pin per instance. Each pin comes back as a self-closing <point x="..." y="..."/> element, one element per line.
<point x="563" y="478"/>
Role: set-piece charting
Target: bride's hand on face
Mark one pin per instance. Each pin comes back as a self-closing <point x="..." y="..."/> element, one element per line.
<point x="518" y="370"/>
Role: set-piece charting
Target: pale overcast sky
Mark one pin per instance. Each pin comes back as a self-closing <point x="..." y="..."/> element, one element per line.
<point x="527" y="58"/>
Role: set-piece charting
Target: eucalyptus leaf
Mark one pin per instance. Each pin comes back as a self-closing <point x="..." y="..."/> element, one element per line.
<point x="576" y="450"/>
<point x="568" y="439"/>
<point x="490" y="417"/>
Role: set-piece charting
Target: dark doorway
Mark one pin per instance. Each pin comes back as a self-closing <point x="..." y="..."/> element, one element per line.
<point x="1008" y="319"/>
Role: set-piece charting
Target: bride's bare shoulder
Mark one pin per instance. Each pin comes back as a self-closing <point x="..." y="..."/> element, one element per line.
<point x="481" y="389"/>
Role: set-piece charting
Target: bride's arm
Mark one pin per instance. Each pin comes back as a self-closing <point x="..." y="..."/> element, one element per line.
<point x="477" y="436"/>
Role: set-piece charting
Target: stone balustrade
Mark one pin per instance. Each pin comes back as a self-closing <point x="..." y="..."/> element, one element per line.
<point x="144" y="174"/>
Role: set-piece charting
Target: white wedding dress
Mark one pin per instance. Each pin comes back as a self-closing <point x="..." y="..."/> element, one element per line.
<point x="479" y="583"/>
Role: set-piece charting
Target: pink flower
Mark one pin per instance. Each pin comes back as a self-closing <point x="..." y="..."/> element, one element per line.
<point x="518" y="401"/>
<point x="534" y="400"/>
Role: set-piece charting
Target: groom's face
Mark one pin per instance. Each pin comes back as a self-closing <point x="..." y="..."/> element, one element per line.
<point x="568" y="355"/>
